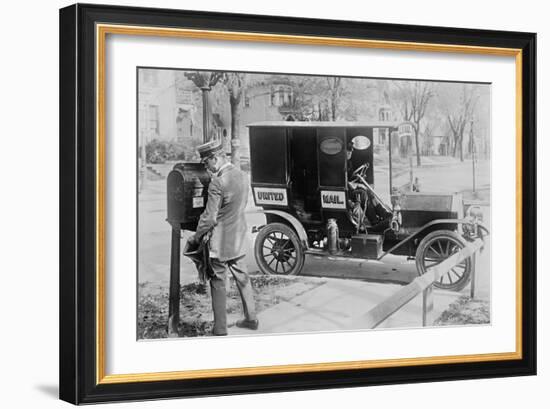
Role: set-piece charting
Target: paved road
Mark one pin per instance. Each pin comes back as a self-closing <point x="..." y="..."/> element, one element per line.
<point x="436" y="176"/>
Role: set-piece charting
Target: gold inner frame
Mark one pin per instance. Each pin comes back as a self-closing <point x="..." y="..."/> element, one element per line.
<point x="102" y="30"/>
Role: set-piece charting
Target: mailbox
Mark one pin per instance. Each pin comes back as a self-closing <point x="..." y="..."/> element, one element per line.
<point x="187" y="192"/>
<point x="186" y="195"/>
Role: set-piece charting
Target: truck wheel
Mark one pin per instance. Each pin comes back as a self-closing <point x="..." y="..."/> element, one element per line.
<point x="438" y="246"/>
<point x="278" y="250"/>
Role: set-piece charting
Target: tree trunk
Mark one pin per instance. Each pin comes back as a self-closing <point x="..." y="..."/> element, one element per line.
<point x="418" y="163"/>
<point x="452" y="146"/>
<point x="461" y="150"/>
<point x="455" y="144"/>
<point x="235" y="137"/>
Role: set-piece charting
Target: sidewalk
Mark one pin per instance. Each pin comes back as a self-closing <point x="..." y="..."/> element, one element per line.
<point x="338" y="305"/>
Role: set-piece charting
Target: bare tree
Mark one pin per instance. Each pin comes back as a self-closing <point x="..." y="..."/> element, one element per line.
<point x="317" y="98"/>
<point x="335" y="91"/>
<point x="235" y="83"/>
<point x="460" y="115"/>
<point x="413" y="100"/>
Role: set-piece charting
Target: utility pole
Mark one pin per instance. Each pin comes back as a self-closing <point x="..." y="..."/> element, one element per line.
<point x="411" y="172"/>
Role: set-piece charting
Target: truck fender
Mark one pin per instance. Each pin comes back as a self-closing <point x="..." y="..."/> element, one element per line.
<point x="458" y="222"/>
<point x="294" y="222"/>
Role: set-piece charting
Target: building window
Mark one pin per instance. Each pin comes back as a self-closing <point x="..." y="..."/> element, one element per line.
<point x="384" y="114"/>
<point x="154" y="119"/>
<point x="281" y="96"/>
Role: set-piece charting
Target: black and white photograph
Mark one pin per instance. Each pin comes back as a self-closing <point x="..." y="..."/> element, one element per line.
<point x="281" y="203"/>
<point x="275" y="204"/>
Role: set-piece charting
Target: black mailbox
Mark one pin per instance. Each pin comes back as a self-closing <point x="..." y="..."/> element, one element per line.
<point x="186" y="195"/>
<point x="187" y="192"/>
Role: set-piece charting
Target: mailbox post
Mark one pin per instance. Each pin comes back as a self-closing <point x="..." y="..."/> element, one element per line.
<point x="174" y="294"/>
<point x="187" y="190"/>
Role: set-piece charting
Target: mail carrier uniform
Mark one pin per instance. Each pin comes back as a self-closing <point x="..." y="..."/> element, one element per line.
<point x="225" y="217"/>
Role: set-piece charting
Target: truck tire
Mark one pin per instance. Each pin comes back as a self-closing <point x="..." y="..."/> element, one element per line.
<point x="278" y="250"/>
<point x="438" y="246"/>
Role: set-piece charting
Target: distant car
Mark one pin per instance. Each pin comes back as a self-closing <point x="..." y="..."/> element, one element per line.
<point x="314" y="181"/>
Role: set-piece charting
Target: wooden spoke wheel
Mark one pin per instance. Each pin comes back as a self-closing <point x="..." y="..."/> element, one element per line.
<point x="278" y="250"/>
<point x="437" y="247"/>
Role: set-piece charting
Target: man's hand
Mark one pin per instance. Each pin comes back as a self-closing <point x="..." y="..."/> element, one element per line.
<point x="191" y="244"/>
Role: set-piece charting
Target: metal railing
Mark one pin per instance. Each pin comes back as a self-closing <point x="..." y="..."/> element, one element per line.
<point x="422" y="285"/>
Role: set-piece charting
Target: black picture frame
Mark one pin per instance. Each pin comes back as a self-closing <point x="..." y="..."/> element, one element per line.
<point x="79" y="380"/>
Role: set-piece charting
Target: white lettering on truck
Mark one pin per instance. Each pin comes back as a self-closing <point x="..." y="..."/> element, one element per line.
<point x="270" y="196"/>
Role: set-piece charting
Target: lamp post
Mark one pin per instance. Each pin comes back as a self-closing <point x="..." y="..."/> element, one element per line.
<point x="205" y="113"/>
<point x="205" y="81"/>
